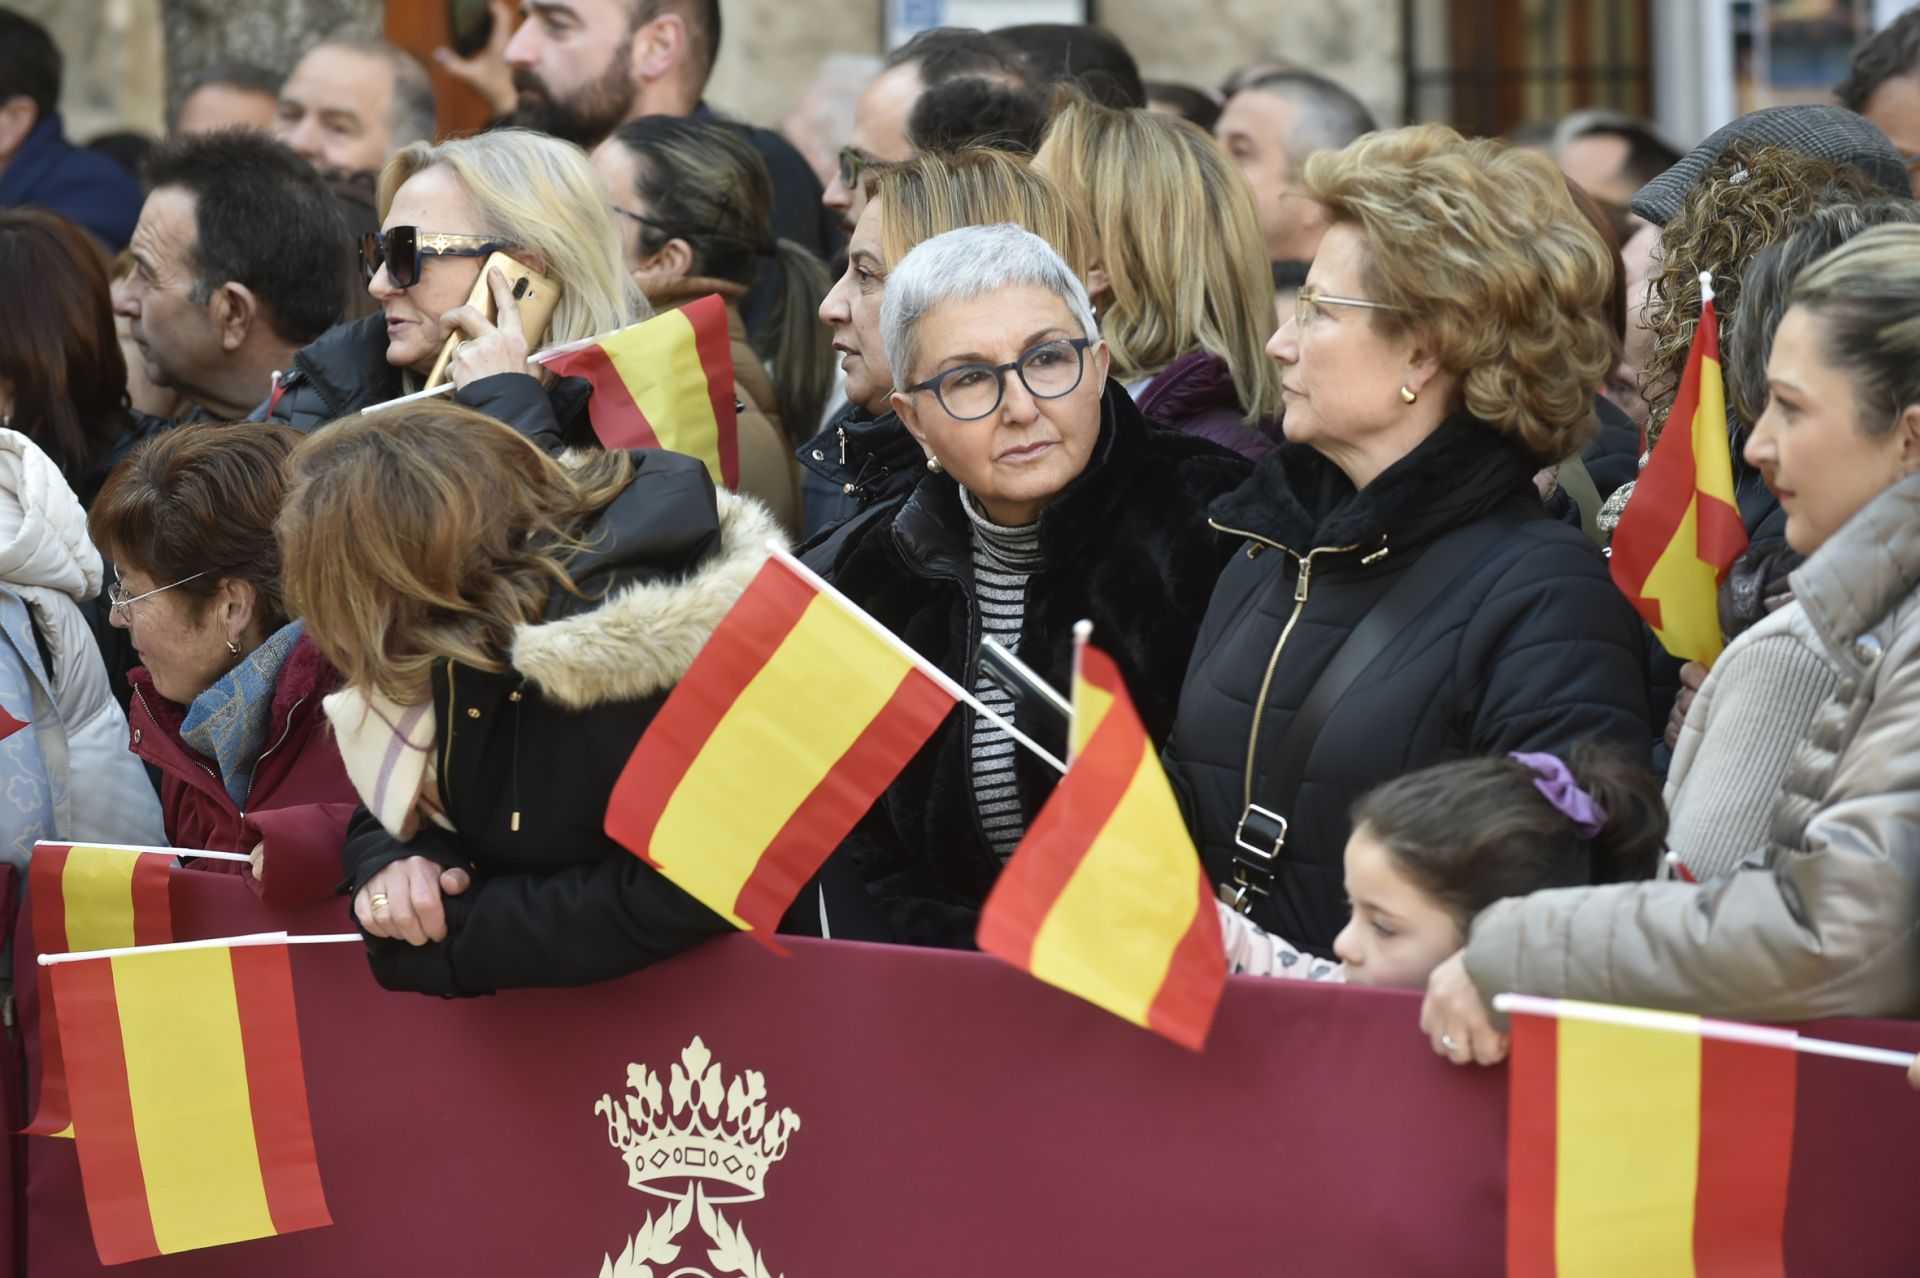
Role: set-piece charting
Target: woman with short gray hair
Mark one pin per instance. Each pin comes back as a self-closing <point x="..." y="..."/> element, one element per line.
<point x="1047" y="498"/>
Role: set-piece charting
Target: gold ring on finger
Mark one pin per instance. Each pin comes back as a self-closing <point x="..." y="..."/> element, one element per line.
<point x="379" y="900"/>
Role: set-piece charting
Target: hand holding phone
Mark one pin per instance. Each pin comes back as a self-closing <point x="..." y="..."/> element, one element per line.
<point x="504" y="319"/>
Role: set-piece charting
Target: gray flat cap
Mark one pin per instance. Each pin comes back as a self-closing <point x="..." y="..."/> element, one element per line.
<point x="1824" y="132"/>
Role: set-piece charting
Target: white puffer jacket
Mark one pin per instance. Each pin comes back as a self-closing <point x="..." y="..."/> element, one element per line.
<point x="87" y="785"/>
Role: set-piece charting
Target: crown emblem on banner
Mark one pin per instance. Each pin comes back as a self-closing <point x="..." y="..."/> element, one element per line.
<point x="716" y="1132"/>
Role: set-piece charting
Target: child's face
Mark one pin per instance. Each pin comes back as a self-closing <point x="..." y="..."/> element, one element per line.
<point x="1397" y="934"/>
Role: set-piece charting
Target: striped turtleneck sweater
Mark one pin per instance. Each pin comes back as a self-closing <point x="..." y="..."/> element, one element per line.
<point x="1003" y="559"/>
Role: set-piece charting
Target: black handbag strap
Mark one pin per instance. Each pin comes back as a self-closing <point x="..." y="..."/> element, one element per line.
<point x="1263" y="826"/>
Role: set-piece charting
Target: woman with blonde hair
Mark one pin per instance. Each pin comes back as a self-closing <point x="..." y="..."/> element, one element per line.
<point x="1182" y="286"/>
<point x="1403" y="598"/>
<point x="506" y="625"/>
<point x="1824" y="921"/>
<point x="444" y="209"/>
<point x="864" y="456"/>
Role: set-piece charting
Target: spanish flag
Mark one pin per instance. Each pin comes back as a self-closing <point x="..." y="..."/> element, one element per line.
<point x="88" y="898"/>
<point x="1646" y="1151"/>
<point x="189" y="1098"/>
<point x="1105" y="897"/>
<point x="796" y="716"/>
<point x="1681" y="529"/>
<point x="666" y="382"/>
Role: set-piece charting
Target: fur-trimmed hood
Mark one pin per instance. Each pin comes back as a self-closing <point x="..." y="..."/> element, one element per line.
<point x="646" y="615"/>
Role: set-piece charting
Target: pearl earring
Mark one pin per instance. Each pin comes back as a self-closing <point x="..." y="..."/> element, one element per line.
<point x="933" y="464"/>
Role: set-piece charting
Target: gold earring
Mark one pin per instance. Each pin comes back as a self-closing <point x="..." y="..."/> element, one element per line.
<point x="1407" y="395"/>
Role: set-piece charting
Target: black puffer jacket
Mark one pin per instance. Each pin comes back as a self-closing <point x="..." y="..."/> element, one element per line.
<point x="554" y="901"/>
<point x="345" y="369"/>
<point x="856" y="462"/>
<point x="1126" y="545"/>
<point x="1532" y="649"/>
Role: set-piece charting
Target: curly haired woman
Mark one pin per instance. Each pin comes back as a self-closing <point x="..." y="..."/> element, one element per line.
<point x="1448" y="344"/>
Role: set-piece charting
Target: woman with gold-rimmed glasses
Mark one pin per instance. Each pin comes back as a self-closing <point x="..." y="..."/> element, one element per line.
<point x="1447" y="344"/>
<point x="1045" y="497"/>
<point x="444" y="209"/>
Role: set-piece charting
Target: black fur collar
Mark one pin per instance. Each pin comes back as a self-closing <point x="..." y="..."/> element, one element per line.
<point x="1299" y="499"/>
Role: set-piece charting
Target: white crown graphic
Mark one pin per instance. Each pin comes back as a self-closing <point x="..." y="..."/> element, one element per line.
<point x="667" y="1152"/>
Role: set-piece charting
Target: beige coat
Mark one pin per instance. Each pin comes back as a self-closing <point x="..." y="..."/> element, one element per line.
<point x="1829" y="925"/>
<point x="767" y="466"/>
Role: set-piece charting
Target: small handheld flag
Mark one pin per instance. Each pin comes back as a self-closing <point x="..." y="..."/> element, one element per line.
<point x="666" y="382"/>
<point x="1105" y="897"/>
<point x="1681" y="529"/>
<point x="87" y="898"/>
<point x="794" y="718"/>
<point x="189" y="1097"/>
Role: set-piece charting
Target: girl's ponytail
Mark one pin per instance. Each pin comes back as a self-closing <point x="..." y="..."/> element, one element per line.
<point x="1629" y="843"/>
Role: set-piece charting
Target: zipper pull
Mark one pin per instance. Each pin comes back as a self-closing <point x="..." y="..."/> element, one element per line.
<point x="1300" y="584"/>
<point x="841" y="431"/>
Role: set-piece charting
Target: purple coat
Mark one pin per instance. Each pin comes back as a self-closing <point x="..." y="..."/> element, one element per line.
<point x="1196" y="396"/>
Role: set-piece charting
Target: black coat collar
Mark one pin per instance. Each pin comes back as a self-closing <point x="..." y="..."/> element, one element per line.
<point x="932" y="531"/>
<point x="1300" y="500"/>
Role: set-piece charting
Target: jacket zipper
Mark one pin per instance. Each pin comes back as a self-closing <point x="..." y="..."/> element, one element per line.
<point x="446" y="754"/>
<point x="1303" y="583"/>
<point x="254" y="775"/>
<point x="515" y="698"/>
<point x="211" y="774"/>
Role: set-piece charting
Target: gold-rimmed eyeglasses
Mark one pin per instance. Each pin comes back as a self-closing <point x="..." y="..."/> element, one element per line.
<point x="1306" y="300"/>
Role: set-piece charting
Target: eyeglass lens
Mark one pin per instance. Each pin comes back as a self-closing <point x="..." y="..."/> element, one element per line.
<point x="397" y="247"/>
<point x="1048" y="371"/>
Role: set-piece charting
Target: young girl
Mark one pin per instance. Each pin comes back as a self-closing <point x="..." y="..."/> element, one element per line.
<point x="1431" y="849"/>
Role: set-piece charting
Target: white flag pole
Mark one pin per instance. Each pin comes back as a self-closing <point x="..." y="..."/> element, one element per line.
<point x="925" y="667"/>
<point x="212" y="943"/>
<point x="1703" y="1027"/>
<point x="541" y="357"/>
<point x="146" y="851"/>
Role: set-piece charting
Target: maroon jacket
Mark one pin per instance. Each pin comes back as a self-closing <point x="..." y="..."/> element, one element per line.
<point x="300" y="800"/>
<point x="1195" y="395"/>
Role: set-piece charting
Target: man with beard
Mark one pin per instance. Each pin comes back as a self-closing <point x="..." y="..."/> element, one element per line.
<point x="582" y="68"/>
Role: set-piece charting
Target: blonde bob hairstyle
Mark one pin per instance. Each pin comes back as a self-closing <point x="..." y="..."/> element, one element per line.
<point x="540" y="194"/>
<point x="1489" y="263"/>
<point x="429" y="532"/>
<point x="932" y="194"/>
<point x="1175" y="230"/>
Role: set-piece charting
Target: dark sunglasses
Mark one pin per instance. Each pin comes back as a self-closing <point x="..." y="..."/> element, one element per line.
<point x="400" y="248"/>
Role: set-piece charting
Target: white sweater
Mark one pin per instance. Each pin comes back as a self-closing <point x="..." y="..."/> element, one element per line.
<point x="100" y="790"/>
<point x="1740" y="732"/>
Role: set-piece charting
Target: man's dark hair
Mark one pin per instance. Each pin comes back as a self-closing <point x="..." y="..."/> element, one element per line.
<point x="950" y="53"/>
<point x="1189" y="103"/>
<point x="30" y="63"/>
<point x="263" y="218"/>
<point x="703" y="24"/>
<point x="1088" y="57"/>
<point x="1330" y="116"/>
<point x="1647" y="156"/>
<point x="1895" y="50"/>
<point x="970" y="112"/>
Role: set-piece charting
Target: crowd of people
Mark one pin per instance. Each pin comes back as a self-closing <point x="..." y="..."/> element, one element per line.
<point x="1325" y="426"/>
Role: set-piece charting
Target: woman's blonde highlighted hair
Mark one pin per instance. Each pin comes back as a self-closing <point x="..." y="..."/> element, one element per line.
<point x="1175" y="228"/>
<point x="932" y="194"/>
<point x="1481" y="251"/>
<point x="430" y="531"/>
<point x="541" y="194"/>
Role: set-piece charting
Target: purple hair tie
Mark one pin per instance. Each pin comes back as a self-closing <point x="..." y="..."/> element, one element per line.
<point x="1556" y="784"/>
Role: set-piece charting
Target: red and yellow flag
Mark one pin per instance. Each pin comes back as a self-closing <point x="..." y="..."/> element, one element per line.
<point x="666" y="382"/>
<point x="189" y="1098"/>
<point x="1105" y="897"/>
<point x="794" y="718"/>
<point x="1681" y="529"/>
<point x="1647" y="1151"/>
<point x="88" y="898"/>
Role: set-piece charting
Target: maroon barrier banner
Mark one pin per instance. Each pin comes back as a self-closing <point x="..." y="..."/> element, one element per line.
<point x="859" y="1110"/>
